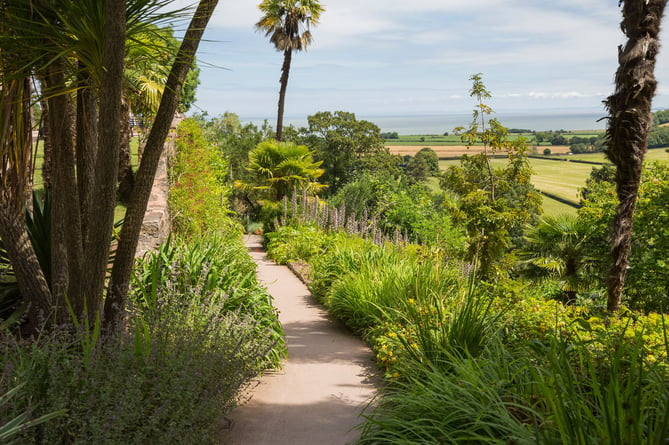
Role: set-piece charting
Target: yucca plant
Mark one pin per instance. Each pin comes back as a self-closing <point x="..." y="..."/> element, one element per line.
<point x="38" y="224"/>
<point x="21" y="422"/>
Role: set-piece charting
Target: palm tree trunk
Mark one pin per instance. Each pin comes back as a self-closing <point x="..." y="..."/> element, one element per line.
<point x="101" y="218"/>
<point x="125" y="253"/>
<point x="29" y="276"/>
<point x="285" y="71"/>
<point x="46" y="132"/>
<point x="66" y="236"/>
<point x="15" y="151"/>
<point x="629" y="123"/>
<point x="86" y="144"/>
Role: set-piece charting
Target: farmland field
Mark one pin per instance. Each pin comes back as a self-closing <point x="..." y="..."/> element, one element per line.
<point x="654" y="154"/>
<point x="454" y="151"/>
<point x="563" y="179"/>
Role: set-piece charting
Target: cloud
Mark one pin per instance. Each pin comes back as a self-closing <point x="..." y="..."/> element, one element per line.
<point x="400" y="56"/>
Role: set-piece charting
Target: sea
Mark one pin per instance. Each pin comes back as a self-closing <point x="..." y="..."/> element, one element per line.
<point x="434" y="124"/>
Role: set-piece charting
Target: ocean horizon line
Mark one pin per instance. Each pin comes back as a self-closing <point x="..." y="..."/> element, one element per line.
<point x="440" y="123"/>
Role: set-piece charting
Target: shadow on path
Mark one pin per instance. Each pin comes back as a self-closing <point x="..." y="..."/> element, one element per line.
<point x="324" y="385"/>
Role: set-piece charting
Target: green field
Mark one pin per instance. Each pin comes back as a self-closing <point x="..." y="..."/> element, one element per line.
<point x="454" y="139"/>
<point x="564" y="178"/>
<point x="559" y="178"/>
<point x="654" y="154"/>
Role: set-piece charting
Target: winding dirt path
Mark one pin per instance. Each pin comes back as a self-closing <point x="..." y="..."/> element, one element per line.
<point x="317" y="397"/>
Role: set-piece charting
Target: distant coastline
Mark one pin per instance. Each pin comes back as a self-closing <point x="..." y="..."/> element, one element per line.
<point x="440" y="123"/>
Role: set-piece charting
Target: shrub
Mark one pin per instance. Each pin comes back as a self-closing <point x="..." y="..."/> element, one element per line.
<point x="199" y="329"/>
<point x="198" y="197"/>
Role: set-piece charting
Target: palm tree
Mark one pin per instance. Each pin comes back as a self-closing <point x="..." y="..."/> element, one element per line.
<point x="72" y="46"/>
<point x="630" y="120"/>
<point x="278" y="168"/>
<point x="557" y="247"/>
<point x="287" y="23"/>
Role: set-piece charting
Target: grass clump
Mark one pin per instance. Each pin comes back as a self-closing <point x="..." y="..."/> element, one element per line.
<point x="199" y="328"/>
<point x="494" y="363"/>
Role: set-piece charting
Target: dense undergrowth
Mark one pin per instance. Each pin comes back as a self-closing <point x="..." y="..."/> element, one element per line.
<point x="198" y="328"/>
<point x="475" y="362"/>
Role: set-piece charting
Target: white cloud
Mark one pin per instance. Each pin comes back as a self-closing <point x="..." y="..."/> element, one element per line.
<point x="398" y="56"/>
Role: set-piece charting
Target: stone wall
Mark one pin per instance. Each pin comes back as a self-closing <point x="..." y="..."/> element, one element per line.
<point x="157" y="225"/>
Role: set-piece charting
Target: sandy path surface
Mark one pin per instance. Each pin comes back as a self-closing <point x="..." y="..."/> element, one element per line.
<point x="327" y="380"/>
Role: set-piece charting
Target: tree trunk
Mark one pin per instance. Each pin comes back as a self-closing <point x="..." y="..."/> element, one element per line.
<point x="66" y="236"/>
<point x="125" y="253"/>
<point x="126" y="178"/>
<point x="285" y="71"/>
<point x="15" y="153"/>
<point x="86" y="144"/>
<point x="46" y="133"/>
<point x="101" y="218"/>
<point x="628" y="126"/>
<point x="29" y="276"/>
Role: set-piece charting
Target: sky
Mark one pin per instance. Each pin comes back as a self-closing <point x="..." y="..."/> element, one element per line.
<point x="415" y="57"/>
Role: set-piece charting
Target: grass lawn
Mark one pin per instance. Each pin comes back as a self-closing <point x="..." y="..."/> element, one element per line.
<point x="38" y="183"/>
<point x="551" y="207"/>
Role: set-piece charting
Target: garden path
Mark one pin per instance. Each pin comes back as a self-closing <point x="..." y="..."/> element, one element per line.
<point x="317" y="398"/>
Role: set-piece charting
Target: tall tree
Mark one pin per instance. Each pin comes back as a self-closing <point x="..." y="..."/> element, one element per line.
<point x="80" y="45"/>
<point x="122" y="269"/>
<point x="629" y="123"/>
<point x="287" y="24"/>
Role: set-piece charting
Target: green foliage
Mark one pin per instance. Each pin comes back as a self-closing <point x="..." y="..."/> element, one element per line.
<point x="289" y="243"/>
<point x="20" y="423"/>
<point x="279" y="168"/>
<point x="219" y="268"/>
<point x="559" y="246"/>
<point x="390" y="135"/>
<point x="197" y="174"/>
<point x="648" y="275"/>
<point x="199" y="330"/>
<point x="409" y="209"/>
<point x="431" y="159"/>
<point x="661" y="117"/>
<point x="416" y="170"/>
<point x="345" y="145"/>
<point x="494" y="203"/>
<point x="658" y="137"/>
<point x="497" y="364"/>
<point x="234" y="140"/>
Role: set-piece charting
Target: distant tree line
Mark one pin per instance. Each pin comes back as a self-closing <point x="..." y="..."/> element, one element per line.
<point x="390" y="135"/>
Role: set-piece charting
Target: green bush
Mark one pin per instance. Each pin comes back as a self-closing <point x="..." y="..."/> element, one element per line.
<point x="295" y="244"/>
<point x="494" y="363"/>
<point x="198" y="196"/>
<point x="200" y="327"/>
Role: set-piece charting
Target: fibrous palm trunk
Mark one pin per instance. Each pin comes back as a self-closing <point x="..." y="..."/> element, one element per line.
<point x="125" y="253"/>
<point x="285" y="71"/>
<point x="630" y="121"/>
